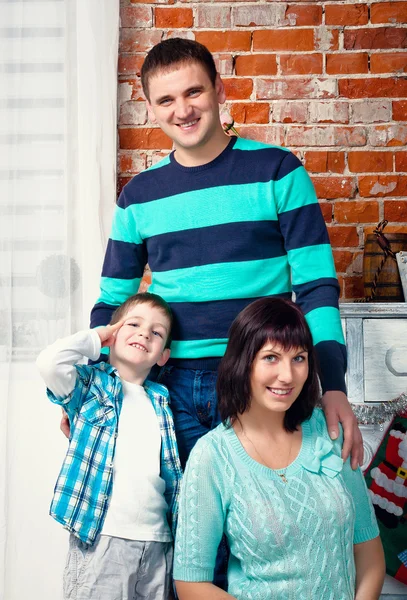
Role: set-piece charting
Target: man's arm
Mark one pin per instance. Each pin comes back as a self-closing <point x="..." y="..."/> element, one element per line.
<point x="316" y="288"/>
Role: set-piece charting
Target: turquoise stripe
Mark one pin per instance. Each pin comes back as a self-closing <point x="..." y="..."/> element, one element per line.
<point x="124" y="228"/>
<point x="325" y="325"/>
<point x="245" y="144"/>
<point x="203" y="208"/>
<point x="221" y="281"/>
<point x="310" y="263"/>
<point x="294" y="190"/>
<point x="116" y="291"/>
<point x="198" y="348"/>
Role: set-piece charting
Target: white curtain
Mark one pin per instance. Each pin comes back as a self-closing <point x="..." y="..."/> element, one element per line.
<point x="58" y="82"/>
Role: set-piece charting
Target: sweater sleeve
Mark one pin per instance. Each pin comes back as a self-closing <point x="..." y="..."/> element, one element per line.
<point x="312" y="266"/>
<point x="124" y="261"/>
<point x="201" y="516"/>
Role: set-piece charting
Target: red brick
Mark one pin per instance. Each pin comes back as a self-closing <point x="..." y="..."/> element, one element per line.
<point x="143" y="138"/>
<point x="395" y="210"/>
<point x="256" y="64"/>
<point x="173" y="17"/>
<point x="347" y="63"/>
<point x="343" y="236"/>
<point x="238" y="89"/>
<point x="400" y="110"/>
<point x="383" y="185"/>
<point x="386" y="38"/>
<point x="343" y="259"/>
<point x="334" y="187"/>
<point x="349" y="14"/>
<point x="388" y="135"/>
<point x="326" y="209"/>
<point x="391" y="62"/>
<point x="132" y="162"/>
<point x="301" y="16"/>
<point x="374" y="87"/>
<point x="388" y="12"/>
<point x="401" y="161"/>
<point x="328" y="112"/>
<point x="299" y="64"/>
<point x="152" y="1"/>
<point x="224" y="41"/>
<point x="287" y="88"/>
<point x="353" y="287"/>
<point x="133" y="40"/>
<point x="290" y="112"/>
<point x="130" y="63"/>
<point x="357" y="211"/>
<point x="271" y="134"/>
<point x="341" y="286"/>
<point x="370" y="162"/>
<point x="212" y="16"/>
<point x="251" y="112"/>
<point x="294" y="40"/>
<point x="136" y="16"/>
<point x="326" y="39"/>
<point x="325" y="136"/>
<point x="324" y="161"/>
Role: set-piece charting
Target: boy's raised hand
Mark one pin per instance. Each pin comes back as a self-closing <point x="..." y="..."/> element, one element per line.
<point x="107" y="334"/>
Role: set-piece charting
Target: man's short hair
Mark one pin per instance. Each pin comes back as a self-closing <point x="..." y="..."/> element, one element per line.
<point x="145" y="298"/>
<point x="176" y="51"/>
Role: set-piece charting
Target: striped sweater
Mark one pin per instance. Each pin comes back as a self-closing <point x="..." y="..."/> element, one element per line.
<point x="220" y="235"/>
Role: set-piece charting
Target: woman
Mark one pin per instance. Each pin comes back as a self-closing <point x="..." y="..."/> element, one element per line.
<point x="299" y="522"/>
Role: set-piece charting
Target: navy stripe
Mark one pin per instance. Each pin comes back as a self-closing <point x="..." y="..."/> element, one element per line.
<point x="242" y="167"/>
<point x="332" y="364"/>
<point x="207" y="320"/>
<point x="101" y="314"/>
<point x="312" y="231"/>
<point x="230" y="242"/>
<point x="124" y="260"/>
<point x="317" y="294"/>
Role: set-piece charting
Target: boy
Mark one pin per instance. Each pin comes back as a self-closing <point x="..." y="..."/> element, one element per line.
<point x="112" y="493"/>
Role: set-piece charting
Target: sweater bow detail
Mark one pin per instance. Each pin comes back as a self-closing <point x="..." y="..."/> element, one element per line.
<point x="324" y="459"/>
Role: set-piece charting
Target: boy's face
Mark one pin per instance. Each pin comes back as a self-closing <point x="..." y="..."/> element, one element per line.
<point x="140" y="342"/>
<point x="185" y="104"/>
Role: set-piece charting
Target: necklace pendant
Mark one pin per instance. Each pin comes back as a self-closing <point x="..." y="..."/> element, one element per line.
<point x="283" y="477"/>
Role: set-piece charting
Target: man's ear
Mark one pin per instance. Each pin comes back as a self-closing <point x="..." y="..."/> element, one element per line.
<point x="150" y="111"/>
<point x="164" y="357"/>
<point x="220" y="89"/>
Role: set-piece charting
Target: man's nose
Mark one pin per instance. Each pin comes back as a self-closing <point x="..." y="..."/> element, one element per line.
<point x="182" y="109"/>
<point x="143" y="331"/>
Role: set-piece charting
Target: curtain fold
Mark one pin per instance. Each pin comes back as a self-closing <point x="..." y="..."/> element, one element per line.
<point x="58" y="83"/>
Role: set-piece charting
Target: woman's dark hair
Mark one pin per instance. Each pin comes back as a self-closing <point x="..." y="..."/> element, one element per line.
<point x="175" y="51"/>
<point x="266" y="320"/>
<point x="145" y="298"/>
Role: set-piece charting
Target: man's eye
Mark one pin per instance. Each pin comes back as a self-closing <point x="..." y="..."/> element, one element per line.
<point x="165" y="102"/>
<point x="133" y="324"/>
<point x="157" y="333"/>
<point x="194" y="92"/>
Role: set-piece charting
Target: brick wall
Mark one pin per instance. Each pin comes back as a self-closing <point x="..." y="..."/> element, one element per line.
<point x="326" y="79"/>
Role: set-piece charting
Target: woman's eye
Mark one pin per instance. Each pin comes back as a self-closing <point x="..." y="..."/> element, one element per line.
<point x="299" y="359"/>
<point x="270" y="358"/>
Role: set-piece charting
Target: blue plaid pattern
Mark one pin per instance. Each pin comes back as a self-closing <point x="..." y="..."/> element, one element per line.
<point x="84" y="486"/>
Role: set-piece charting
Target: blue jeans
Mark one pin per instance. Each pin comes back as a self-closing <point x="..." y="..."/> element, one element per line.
<point x="195" y="408"/>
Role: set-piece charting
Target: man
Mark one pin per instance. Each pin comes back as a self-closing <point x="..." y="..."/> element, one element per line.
<point x="221" y="221"/>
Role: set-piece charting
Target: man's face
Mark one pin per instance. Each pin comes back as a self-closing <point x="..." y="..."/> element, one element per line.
<point x="185" y="104"/>
<point x="140" y="341"/>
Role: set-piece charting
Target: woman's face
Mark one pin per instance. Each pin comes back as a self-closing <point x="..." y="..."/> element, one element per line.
<point x="277" y="377"/>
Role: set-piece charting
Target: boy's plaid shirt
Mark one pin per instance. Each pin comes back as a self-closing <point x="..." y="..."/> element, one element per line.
<point x="84" y="486"/>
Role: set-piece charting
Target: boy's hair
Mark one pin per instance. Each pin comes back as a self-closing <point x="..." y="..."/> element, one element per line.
<point x="266" y="320"/>
<point x="145" y="298"/>
<point x="172" y="52"/>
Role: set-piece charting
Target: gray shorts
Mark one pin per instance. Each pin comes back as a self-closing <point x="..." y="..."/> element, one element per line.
<point x="118" y="569"/>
